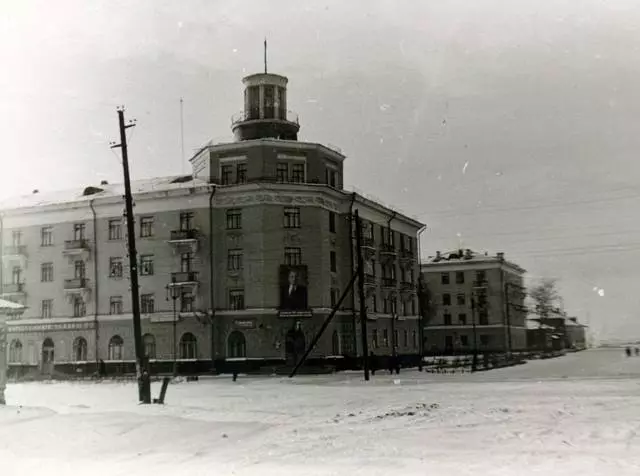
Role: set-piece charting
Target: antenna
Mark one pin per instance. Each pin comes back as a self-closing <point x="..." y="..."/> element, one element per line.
<point x="265" y="55"/>
<point x="182" y="136"/>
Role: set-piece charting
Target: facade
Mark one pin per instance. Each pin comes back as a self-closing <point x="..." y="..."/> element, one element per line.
<point x="476" y="301"/>
<point x="556" y="332"/>
<point x="240" y="262"/>
<point x="7" y="308"/>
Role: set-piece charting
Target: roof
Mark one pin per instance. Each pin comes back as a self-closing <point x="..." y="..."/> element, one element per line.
<point x="10" y="306"/>
<point x="82" y="194"/>
<point x="468" y="256"/>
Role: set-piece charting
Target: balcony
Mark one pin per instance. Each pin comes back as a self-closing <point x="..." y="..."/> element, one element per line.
<point x="13" y="289"/>
<point x="407" y="258"/>
<point x="389" y="283"/>
<point x="268" y="114"/>
<point x="407" y="289"/>
<point x="76" y="247"/>
<point x="368" y="248"/>
<point x="76" y="284"/>
<point x="387" y="252"/>
<point x="370" y="280"/>
<point x="15" y="250"/>
<point x="184" y="278"/>
<point x="184" y="238"/>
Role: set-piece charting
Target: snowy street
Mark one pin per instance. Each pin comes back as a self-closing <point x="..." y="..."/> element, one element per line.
<point x="576" y="414"/>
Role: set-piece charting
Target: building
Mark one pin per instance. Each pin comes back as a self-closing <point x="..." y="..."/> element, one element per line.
<point x="475" y="301"/>
<point x="240" y="262"/>
<point x="7" y="308"/>
<point x="556" y="332"/>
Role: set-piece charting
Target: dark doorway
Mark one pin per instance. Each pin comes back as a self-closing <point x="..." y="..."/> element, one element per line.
<point x="47" y="357"/>
<point x="294" y="345"/>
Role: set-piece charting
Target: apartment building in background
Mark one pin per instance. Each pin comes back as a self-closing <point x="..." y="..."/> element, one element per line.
<point x="467" y="288"/>
<point x="240" y="261"/>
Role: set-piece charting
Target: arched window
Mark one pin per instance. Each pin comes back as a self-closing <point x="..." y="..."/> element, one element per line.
<point x="116" y="348"/>
<point x="80" y="349"/>
<point x="335" y="343"/>
<point x="414" y="339"/>
<point x="48" y="351"/>
<point x="149" y="343"/>
<point x="188" y="346"/>
<point x="15" y="351"/>
<point x="236" y="345"/>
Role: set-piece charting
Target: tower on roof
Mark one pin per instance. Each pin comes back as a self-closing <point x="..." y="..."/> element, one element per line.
<point x="265" y="113"/>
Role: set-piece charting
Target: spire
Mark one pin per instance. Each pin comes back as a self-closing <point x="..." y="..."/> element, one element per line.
<point x="265" y="55"/>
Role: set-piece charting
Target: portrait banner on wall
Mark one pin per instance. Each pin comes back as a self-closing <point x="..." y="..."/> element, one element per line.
<point x="294" y="282"/>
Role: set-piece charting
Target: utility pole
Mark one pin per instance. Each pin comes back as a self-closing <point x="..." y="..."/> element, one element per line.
<point x="144" y="385"/>
<point x="474" y="362"/>
<point x="173" y="292"/>
<point x="508" y="305"/>
<point x="363" y="308"/>
<point x="421" y="311"/>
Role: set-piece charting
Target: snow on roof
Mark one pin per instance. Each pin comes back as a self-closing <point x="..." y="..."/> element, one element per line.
<point x="103" y="190"/>
<point x="10" y="305"/>
<point x="468" y="256"/>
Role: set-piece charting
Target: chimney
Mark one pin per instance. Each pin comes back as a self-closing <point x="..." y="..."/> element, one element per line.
<point x="35" y="191"/>
<point x="467" y="254"/>
<point x="500" y="256"/>
<point x="104" y="182"/>
<point x="438" y="256"/>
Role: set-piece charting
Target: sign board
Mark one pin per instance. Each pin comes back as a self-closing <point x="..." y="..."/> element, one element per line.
<point x="295" y="314"/>
<point x="63" y="326"/>
<point x="245" y="323"/>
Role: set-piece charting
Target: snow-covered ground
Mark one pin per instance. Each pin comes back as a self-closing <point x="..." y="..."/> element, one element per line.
<point x="579" y="414"/>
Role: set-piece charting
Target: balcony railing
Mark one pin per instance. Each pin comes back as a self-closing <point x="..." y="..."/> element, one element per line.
<point x="406" y="255"/>
<point x="407" y="286"/>
<point x="184" y="235"/>
<point x="389" y="282"/>
<point x="268" y="113"/>
<point x="388" y="249"/>
<point x="368" y="242"/>
<point x="71" y="246"/>
<point x="370" y="279"/>
<point x="15" y="250"/>
<point x="76" y="283"/>
<point x="13" y="288"/>
<point x="183" y="277"/>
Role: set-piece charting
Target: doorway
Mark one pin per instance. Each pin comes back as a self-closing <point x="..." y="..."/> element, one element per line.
<point x="295" y="345"/>
<point x="47" y="357"/>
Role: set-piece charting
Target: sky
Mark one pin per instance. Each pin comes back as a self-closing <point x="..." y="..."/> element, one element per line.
<point x="504" y="126"/>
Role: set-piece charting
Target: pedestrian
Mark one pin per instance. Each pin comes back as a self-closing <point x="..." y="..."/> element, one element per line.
<point x="637" y="351"/>
<point x="373" y="362"/>
<point x="628" y="351"/>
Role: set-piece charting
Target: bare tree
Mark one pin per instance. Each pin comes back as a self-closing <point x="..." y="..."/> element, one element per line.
<point x="545" y="297"/>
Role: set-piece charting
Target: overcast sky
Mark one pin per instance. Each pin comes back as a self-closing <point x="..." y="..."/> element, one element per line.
<point x="506" y="126"/>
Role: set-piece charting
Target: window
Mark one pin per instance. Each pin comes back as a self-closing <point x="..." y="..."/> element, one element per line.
<point x="405" y="308"/>
<point x="464" y="341"/>
<point x="444" y="278"/>
<point x="234" y="219"/>
<point x="333" y="261"/>
<point x="385" y="338"/>
<point x="236" y="299"/>
<point x="292" y="217"/>
<point x="335" y="296"/>
<point x="115" y="229"/>
<point x="332" y="222"/>
<point x="481" y="276"/>
<point x="414" y="339"/>
<point x="236" y="345"/>
<point x="78" y="231"/>
<point x="463" y="319"/>
<point x="116" y="348"/>
<point x="188" y="346"/>
<point x="389" y="306"/>
<point x="405" y="338"/>
<point x="374" y="339"/>
<point x="241" y="172"/>
<point x="79" y="307"/>
<point x="460" y="299"/>
<point x="187" y="300"/>
<point x="483" y="318"/>
<point x="448" y="343"/>
<point x="459" y="277"/>
<point x="374" y="304"/>
<point x="234" y="260"/>
<point x="80" y="269"/>
<point x="186" y="221"/>
<point x="46" y="308"/>
<point x="446" y="299"/>
<point x="293" y="256"/>
<point x="16" y="275"/>
<point x="282" y="172"/>
<point x="226" y="174"/>
<point x="335" y="343"/>
<point x="146" y="227"/>
<point x="396" y="338"/>
<point x="186" y="261"/>
<point x="146" y="265"/>
<point x="46" y="236"/>
<point x="149" y="344"/>
<point x="115" y="305"/>
<point x="115" y="267"/>
<point x="484" y="340"/>
<point x="15" y="351"/>
<point x="147" y="303"/>
<point x="297" y="173"/>
<point x="447" y="319"/>
<point x="331" y="177"/>
<point x="16" y="238"/>
<point x="46" y="272"/>
<point x="413" y="307"/>
<point x="80" y="349"/>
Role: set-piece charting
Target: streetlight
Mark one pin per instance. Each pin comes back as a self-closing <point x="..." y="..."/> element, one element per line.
<point x="173" y="292"/>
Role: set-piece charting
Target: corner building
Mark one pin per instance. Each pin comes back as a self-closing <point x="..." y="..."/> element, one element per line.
<point x="240" y="262"/>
